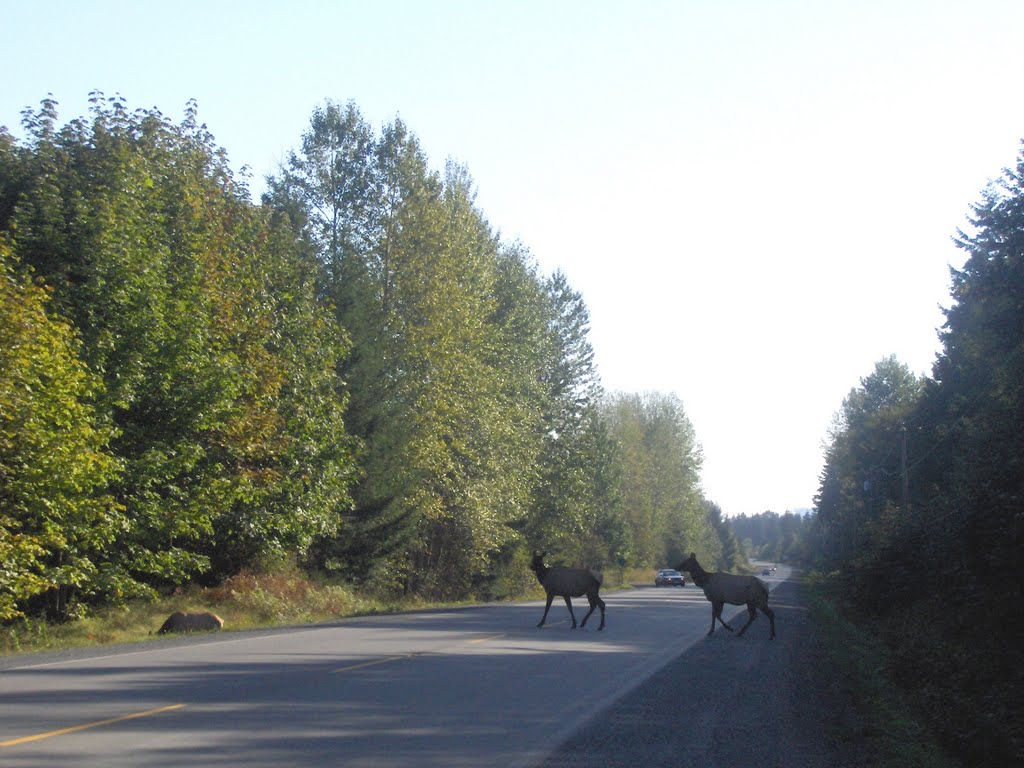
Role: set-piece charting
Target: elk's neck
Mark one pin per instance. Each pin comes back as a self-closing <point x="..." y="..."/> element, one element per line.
<point x="700" y="576"/>
<point x="541" y="572"/>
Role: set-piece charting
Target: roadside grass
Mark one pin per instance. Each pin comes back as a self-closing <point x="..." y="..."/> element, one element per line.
<point x="245" y="601"/>
<point x="886" y="725"/>
<point x="249" y="600"/>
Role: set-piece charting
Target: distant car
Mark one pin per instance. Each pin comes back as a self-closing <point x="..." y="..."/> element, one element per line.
<point x="766" y="572"/>
<point x="669" y="578"/>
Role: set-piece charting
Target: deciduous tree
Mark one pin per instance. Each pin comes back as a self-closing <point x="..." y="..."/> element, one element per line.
<point x="189" y="304"/>
<point x="57" y="518"/>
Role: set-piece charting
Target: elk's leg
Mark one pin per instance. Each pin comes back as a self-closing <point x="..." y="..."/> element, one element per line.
<point x="752" y="612"/>
<point x="771" y="617"/>
<point x="595" y="602"/>
<point x="546" y="609"/>
<point x="716" y="613"/>
<point x="568" y="604"/>
<point x="593" y="605"/>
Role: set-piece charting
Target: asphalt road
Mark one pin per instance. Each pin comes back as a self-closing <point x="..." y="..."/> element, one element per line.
<point x="731" y="702"/>
<point x="478" y="686"/>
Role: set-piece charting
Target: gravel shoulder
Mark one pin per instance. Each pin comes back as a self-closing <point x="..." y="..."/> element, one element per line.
<point x="729" y="702"/>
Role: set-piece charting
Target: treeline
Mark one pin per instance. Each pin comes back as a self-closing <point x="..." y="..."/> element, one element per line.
<point x="920" y="511"/>
<point x="771" y="536"/>
<point x="355" y="374"/>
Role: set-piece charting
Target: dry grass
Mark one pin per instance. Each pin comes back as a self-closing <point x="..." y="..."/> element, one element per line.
<point x="246" y="601"/>
<point x="250" y="600"/>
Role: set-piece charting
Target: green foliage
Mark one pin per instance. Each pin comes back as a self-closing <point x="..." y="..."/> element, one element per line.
<point x="57" y="521"/>
<point x="775" y="537"/>
<point x="660" y="463"/>
<point x="284" y="596"/>
<point x="448" y="339"/>
<point x="573" y="507"/>
<point x="357" y="375"/>
<point x="862" y="480"/>
<point x="471" y="376"/>
<point x="888" y="732"/>
<point x="732" y="557"/>
<point x="248" y="600"/>
<point x="218" y="363"/>
<point x="979" y="392"/>
<point x="931" y="565"/>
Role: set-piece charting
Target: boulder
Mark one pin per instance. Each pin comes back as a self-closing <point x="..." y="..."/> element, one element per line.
<point x="179" y="621"/>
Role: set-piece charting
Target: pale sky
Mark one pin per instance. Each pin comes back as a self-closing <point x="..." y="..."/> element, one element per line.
<point x="756" y="199"/>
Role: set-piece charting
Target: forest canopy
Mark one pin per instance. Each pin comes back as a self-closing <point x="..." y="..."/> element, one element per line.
<point x="920" y="510"/>
<point x="355" y="374"/>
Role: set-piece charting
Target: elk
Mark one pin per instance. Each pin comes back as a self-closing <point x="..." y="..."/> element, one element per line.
<point x="721" y="588"/>
<point x="568" y="583"/>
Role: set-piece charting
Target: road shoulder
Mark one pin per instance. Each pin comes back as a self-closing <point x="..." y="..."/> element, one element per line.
<point x="730" y="701"/>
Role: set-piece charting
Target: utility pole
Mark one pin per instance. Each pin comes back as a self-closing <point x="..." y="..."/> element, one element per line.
<point x="903" y="469"/>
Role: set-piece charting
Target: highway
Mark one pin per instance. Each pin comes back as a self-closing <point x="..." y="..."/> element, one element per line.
<point x="477" y="686"/>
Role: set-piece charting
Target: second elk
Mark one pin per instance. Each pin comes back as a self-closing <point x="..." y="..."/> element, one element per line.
<point x="722" y="588"/>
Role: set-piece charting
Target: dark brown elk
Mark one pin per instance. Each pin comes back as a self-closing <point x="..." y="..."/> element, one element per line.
<point x="568" y="583"/>
<point x="722" y="588"/>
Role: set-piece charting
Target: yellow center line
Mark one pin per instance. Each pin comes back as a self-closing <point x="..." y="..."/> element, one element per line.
<point x="374" y="662"/>
<point x="488" y="637"/>
<point x="172" y="707"/>
<point x="387" y="659"/>
<point x="97" y="724"/>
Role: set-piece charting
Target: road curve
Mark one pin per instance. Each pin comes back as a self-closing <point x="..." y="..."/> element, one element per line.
<point x="479" y="686"/>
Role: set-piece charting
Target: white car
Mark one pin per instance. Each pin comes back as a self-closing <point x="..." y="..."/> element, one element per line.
<point x="669" y="578"/>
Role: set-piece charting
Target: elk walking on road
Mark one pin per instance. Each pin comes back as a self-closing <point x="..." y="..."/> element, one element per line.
<point x="722" y="588"/>
<point x="567" y="583"/>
